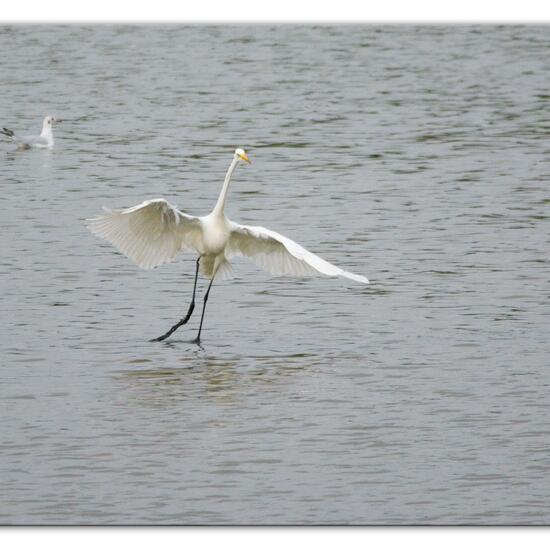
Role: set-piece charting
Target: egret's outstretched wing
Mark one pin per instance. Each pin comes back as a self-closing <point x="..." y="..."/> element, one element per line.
<point x="150" y="234"/>
<point x="279" y="255"/>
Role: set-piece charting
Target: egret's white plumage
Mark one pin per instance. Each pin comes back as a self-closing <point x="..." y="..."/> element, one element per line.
<point x="280" y="255"/>
<point x="153" y="232"/>
<point x="43" y="141"/>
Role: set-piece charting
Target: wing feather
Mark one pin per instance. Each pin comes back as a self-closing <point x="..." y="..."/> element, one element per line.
<point x="150" y="234"/>
<point x="31" y="140"/>
<point x="280" y="255"/>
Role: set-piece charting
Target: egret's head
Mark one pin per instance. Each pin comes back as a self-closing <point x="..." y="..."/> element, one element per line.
<point x="241" y="155"/>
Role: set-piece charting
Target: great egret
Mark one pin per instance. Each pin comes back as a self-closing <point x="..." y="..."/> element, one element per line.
<point x="43" y="141"/>
<point x="153" y="232"/>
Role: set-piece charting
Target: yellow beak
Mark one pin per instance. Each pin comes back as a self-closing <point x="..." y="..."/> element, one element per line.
<point x="244" y="157"/>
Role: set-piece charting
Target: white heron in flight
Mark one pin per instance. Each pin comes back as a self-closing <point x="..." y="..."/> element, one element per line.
<point x="153" y="232"/>
<point x="43" y="141"/>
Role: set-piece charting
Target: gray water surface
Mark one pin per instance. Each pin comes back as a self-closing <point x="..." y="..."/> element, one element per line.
<point x="417" y="156"/>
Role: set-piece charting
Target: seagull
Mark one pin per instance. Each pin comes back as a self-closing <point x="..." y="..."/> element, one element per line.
<point x="43" y="141"/>
<point x="153" y="232"/>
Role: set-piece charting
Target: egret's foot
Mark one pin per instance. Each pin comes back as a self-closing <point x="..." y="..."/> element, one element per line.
<point x="177" y="325"/>
<point x="197" y="342"/>
<point x="160" y="338"/>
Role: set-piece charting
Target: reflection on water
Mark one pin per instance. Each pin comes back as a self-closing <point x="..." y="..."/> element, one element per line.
<point x="204" y="376"/>
<point x="417" y="156"/>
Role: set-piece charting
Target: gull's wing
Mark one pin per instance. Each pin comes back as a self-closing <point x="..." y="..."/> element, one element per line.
<point x="25" y="142"/>
<point x="31" y="140"/>
<point x="280" y="255"/>
<point x="150" y="234"/>
<point x="9" y="133"/>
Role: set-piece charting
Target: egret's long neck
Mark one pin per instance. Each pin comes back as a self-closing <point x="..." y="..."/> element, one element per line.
<point x="218" y="209"/>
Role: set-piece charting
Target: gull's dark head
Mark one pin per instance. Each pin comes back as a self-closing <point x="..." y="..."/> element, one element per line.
<point x="49" y="120"/>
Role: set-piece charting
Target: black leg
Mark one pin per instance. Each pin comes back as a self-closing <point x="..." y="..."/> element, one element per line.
<point x="198" y="338"/>
<point x="189" y="311"/>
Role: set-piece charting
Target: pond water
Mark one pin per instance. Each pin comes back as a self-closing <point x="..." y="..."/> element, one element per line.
<point x="417" y="156"/>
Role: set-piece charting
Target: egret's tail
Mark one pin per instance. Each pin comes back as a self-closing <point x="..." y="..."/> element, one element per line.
<point x="210" y="267"/>
<point x="224" y="272"/>
<point x="7" y="132"/>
